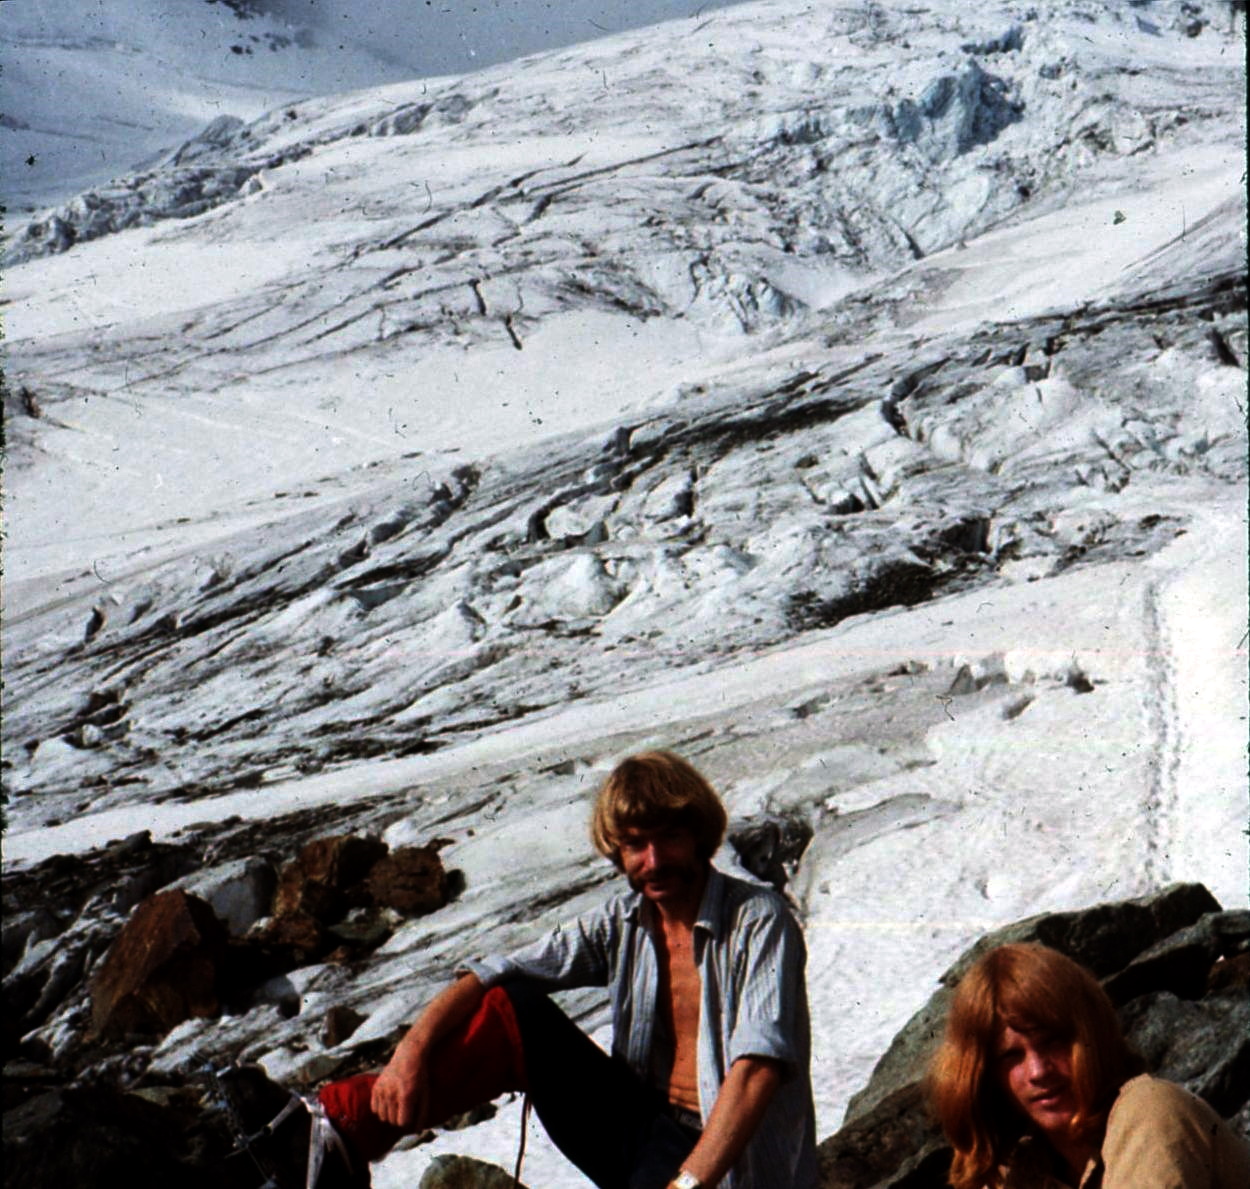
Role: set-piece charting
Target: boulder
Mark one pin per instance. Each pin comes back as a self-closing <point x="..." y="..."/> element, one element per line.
<point x="890" y="1141"/>
<point x="771" y="849"/>
<point x="1203" y="1044"/>
<point x="341" y="860"/>
<point x="1106" y="937"/>
<point x="464" y="1172"/>
<point x="410" y="880"/>
<point x="240" y="892"/>
<point x="1181" y="962"/>
<point x="24" y="929"/>
<point x="162" y="968"/>
<point x="328" y="877"/>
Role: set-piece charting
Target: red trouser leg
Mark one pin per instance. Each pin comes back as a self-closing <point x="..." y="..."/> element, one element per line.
<point x="477" y="1062"/>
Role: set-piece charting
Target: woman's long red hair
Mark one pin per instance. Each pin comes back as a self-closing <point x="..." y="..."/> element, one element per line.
<point x="1032" y="989"/>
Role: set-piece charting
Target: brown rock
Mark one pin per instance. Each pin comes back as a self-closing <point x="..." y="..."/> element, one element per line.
<point x="342" y="860"/>
<point x="298" y="896"/>
<point x="162" y="969"/>
<point x="1230" y="974"/>
<point x="327" y="877"/>
<point x="299" y="935"/>
<point x="410" y="880"/>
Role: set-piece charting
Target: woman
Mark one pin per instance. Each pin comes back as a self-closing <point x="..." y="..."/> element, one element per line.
<point x="1036" y="1088"/>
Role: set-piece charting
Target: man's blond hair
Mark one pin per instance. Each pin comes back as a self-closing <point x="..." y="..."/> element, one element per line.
<point x="656" y="790"/>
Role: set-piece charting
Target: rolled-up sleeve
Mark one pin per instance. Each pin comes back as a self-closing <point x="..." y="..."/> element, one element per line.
<point x="770" y="1018"/>
<point x="574" y="954"/>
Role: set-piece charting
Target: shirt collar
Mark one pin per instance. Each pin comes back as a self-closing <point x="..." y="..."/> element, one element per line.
<point x="711" y="906"/>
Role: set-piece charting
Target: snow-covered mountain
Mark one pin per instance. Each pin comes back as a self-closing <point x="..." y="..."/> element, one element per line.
<point x="851" y="399"/>
<point x="90" y="91"/>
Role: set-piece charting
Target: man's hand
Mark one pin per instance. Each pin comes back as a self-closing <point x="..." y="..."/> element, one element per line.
<point x="401" y="1095"/>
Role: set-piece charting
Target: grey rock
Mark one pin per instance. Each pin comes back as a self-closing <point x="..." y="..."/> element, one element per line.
<point x="25" y="929"/>
<point x="772" y="848"/>
<point x="867" y="1152"/>
<point x="463" y="1172"/>
<point x="1013" y="39"/>
<point x="1182" y="962"/>
<point x="1203" y="1044"/>
<point x="239" y="892"/>
<point x="1104" y="938"/>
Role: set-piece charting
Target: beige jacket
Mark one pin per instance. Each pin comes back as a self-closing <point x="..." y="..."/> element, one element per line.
<point x="1159" y="1136"/>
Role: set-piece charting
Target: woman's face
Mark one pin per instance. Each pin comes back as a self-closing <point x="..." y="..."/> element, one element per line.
<point x="1034" y="1070"/>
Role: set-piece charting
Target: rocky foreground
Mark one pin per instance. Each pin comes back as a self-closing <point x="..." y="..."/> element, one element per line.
<point x="142" y="939"/>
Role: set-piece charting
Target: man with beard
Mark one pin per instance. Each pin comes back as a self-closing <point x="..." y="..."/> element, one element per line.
<point x="708" y="1080"/>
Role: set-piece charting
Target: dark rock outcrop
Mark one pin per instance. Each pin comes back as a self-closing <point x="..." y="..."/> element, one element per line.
<point x="771" y="849"/>
<point x="1204" y="1044"/>
<point x="1183" y="961"/>
<point x="99" y="1137"/>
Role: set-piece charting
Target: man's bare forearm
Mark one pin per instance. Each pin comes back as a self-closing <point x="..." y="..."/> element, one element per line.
<point x="400" y="1094"/>
<point x="744" y="1096"/>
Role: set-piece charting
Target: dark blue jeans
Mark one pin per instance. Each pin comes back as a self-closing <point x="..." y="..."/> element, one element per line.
<point x="618" y="1130"/>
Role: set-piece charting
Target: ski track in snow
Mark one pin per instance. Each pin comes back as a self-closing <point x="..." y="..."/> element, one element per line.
<point x="1159" y="804"/>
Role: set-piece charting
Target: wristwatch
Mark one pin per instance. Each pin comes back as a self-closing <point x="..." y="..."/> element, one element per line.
<point x="687" y="1180"/>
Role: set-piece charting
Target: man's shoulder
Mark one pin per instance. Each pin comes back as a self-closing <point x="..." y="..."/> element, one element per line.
<point x="744" y="901"/>
<point x="1146" y="1096"/>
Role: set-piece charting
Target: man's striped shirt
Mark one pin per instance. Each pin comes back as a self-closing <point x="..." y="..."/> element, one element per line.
<point x="751" y="958"/>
